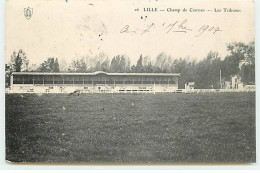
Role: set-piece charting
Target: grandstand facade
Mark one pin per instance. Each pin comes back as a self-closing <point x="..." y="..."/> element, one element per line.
<point x="97" y="82"/>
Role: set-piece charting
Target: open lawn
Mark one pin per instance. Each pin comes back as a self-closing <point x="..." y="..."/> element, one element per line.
<point x="125" y="128"/>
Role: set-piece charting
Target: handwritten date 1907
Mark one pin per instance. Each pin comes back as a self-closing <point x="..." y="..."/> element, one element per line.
<point x="174" y="27"/>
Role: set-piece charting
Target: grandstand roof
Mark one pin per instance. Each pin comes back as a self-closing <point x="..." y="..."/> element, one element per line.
<point x="96" y="73"/>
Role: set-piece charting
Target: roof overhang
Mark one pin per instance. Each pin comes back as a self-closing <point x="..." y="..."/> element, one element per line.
<point x="95" y="73"/>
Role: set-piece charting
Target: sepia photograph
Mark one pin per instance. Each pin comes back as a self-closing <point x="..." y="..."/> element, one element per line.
<point x="152" y="82"/>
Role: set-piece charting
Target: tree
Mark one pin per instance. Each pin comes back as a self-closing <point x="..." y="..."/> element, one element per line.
<point x="180" y="66"/>
<point x="51" y="65"/>
<point x="19" y="61"/>
<point x="158" y="62"/>
<point x="78" y="66"/>
<point x="247" y="74"/>
<point x="149" y="67"/>
<point x="56" y="67"/>
<point x="63" y="65"/>
<point x="139" y="65"/>
<point x="119" y="64"/>
<point x="250" y="54"/>
<point x="240" y="61"/>
<point x="7" y="75"/>
<point x="128" y="65"/>
<point x="105" y="65"/>
<point x="115" y="64"/>
<point x="122" y="64"/>
<point x="163" y="63"/>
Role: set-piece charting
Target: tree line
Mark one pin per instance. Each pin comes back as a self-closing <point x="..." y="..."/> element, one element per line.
<point x="205" y="73"/>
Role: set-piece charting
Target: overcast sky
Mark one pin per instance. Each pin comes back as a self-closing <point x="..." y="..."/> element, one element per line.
<point x="67" y="30"/>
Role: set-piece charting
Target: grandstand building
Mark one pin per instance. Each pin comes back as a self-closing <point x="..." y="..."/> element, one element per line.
<point x="97" y="82"/>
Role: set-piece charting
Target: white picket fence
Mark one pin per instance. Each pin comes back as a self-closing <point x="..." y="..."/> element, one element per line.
<point x="216" y="90"/>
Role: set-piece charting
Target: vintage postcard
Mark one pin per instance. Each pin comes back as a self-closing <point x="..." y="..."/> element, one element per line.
<point x="130" y="82"/>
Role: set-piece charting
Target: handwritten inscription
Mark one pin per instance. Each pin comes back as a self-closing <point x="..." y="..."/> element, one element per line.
<point x="178" y="26"/>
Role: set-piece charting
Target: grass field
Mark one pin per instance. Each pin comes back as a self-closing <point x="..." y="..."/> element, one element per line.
<point x="145" y="128"/>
